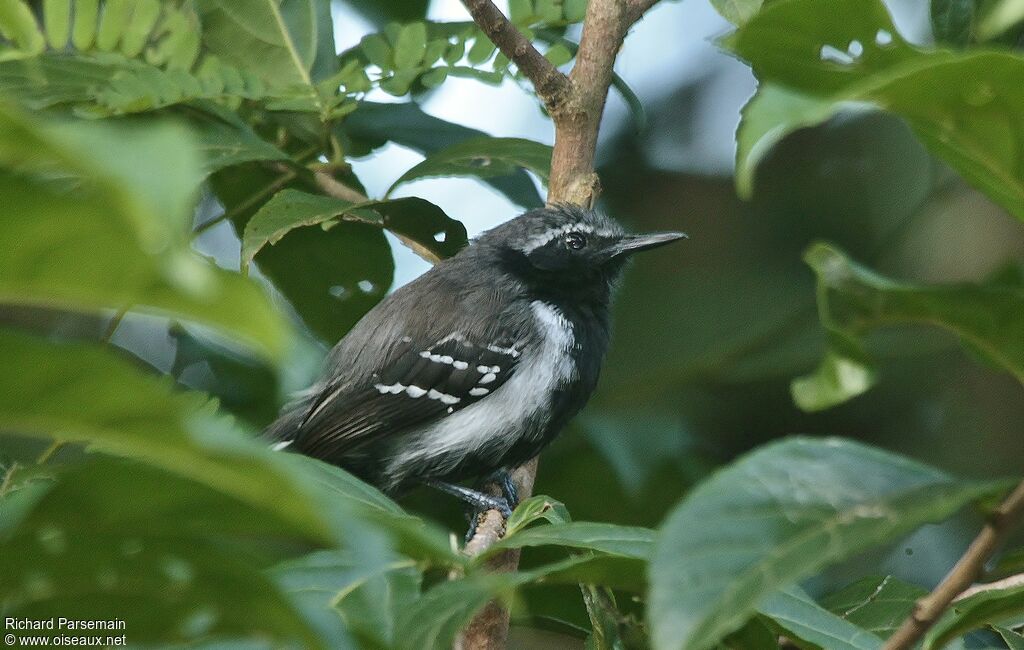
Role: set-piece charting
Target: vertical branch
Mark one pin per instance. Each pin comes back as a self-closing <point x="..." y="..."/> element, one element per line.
<point x="576" y="104"/>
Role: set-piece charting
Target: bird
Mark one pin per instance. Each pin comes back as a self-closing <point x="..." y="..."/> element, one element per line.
<point x="474" y="367"/>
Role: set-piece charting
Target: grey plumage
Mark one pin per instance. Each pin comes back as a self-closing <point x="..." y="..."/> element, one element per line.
<point x="476" y="365"/>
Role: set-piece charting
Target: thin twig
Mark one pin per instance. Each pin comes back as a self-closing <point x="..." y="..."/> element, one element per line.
<point x="929" y="608"/>
<point x="551" y="85"/>
<point x="274" y="186"/>
<point x="49" y="452"/>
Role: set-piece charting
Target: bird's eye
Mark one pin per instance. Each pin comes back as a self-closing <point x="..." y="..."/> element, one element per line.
<point x="575" y="241"/>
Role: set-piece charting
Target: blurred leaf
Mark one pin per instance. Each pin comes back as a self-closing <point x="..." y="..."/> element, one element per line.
<point x="433" y="621"/>
<point x="878" y="605"/>
<point x="826" y="57"/>
<point x="410" y="46"/>
<point x="223" y="144"/>
<point x="372" y="125"/>
<point x="952" y="21"/>
<point x="1013" y="640"/>
<point x="385" y="11"/>
<point x="242" y="386"/>
<point x="18" y="25"/>
<point x="836" y="380"/>
<point x="626" y="541"/>
<point x="483" y="157"/>
<point x="737" y="12"/>
<point x="349" y="598"/>
<point x="997" y="17"/>
<point x="331" y="485"/>
<point x="172" y="560"/>
<point x="612" y="571"/>
<point x="276" y="39"/>
<point x="534" y="509"/>
<point x="777" y="515"/>
<point x="853" y="299"/>
<point x="755" y="635"/>
<point x="134" y="196"/>
<point x="992" y="606"/>
<point x="799" y="617"/>
<point x="1012" y="561"/>
<point x="82" y="392"/>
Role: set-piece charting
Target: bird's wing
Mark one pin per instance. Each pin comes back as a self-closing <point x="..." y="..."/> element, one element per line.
<point x="423" y="380"/>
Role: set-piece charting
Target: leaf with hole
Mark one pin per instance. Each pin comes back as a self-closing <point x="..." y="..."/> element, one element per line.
<point x="778" y="515"/>
<point x="813" y="60"/>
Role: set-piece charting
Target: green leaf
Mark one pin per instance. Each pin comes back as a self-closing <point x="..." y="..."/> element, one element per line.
<point x="877" y="604"/>
<point x="134" y="196"/>
<point x="484" y="158"/>
<point x="419" y="221"/>
<point x="175" y="561"/>
<point x="329" y="257"/>
<point x="737" y="12"/>
<point x="991" y="606"/>
<point x="226" y="143"/>
<point x="534" y="509"/>
<point x="350" y="598"/>
<point x="18" y="25"/>
<point x="410" y="46"/>
<point x="989" y="317"/>
<point x="1013" y="640"/>
<point x="952" y="21"/>
<point x="813" y="59"/>
<point x="611" y="571"/>
<point x="625" y="541"/>
<point x="799" y="617"/>
<point x="276" y="39"/>
<point x="57" y="22"/>
<point x="377" y="50"/>
<point x="372" y="125"/>
<point x="81" y="392"/>
<point x="837" y="379"/>
<point x="777" y="515"/>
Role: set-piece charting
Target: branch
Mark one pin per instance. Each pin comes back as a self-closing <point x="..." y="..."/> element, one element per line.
<point x="576" y="104"/>
<point x="551" y="85"/>
<point x="928" y="609"/>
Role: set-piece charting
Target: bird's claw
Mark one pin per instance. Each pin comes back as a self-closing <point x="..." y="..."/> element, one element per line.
<point x="490" y="503"/>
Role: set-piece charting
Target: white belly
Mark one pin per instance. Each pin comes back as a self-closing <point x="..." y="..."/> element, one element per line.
<point x="503" y="417"/>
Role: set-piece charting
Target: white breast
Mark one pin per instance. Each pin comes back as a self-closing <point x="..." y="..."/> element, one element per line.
<point x="502" y="417"/>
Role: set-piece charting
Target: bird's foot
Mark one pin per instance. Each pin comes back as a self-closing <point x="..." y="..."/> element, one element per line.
<point x="503" y="479"/>
<point x="474" y="515"/>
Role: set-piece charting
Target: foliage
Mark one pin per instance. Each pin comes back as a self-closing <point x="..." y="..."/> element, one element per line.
<point x="123" y="122"/>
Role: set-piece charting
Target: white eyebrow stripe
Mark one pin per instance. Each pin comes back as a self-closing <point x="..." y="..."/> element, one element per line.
<point x="554" y="233"/>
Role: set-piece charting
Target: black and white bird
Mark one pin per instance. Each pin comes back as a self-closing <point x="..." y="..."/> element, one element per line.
<point x="471" y="369"/>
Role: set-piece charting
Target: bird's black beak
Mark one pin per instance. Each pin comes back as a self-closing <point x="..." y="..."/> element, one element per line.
<point x="629" y="244"/>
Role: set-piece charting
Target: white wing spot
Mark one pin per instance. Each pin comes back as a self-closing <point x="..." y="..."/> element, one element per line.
<point x="488" y="378"/>
<point x="477" y="392"/>
<point x="445" y="398"/>
<point x="460" y="365"/>
<point x="278" y="446"/>
<point x="393" y="389"/>
<point x="415" y="391"/>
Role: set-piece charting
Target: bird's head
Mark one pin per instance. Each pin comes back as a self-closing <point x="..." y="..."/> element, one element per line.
<point x="568" y="246"/>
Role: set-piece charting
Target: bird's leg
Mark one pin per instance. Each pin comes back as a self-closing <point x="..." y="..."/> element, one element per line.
<point x="475" y="498"/>
<point x="479" y="502"/>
